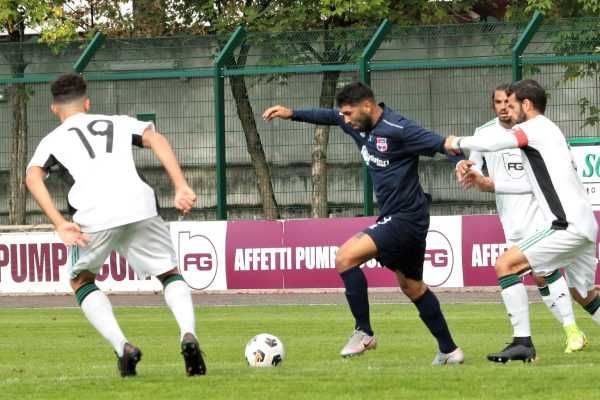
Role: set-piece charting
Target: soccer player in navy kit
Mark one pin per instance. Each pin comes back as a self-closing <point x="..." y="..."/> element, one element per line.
<point x="112" y="208"/>
<point x="390" y="146"/>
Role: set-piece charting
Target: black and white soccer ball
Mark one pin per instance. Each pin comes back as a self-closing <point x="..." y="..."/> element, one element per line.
<point x="264" y="350"/>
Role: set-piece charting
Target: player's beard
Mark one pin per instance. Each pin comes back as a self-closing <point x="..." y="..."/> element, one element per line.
<point x="365" y="122"/>
<point x="520" y="117"/>
<point x="506" y="121"/>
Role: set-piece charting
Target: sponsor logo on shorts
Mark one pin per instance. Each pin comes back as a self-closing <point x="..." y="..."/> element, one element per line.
<point x="439" y="259"/>
<point x="198" y="260"/>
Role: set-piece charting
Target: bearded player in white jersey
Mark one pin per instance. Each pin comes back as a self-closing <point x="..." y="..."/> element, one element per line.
<point x="568" y="234"/>
<point x="112" y="208"/>
<point x="518" y="209"/>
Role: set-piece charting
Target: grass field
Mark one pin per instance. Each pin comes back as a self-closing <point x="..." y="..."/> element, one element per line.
<point x="56" y="354"/>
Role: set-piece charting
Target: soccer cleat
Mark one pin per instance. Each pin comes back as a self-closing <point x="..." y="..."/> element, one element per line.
<point x="455" y="357"/>
<point x="127" y="362"/>
<point x="192" y="355"/>
<point x="359" y="342"/>
<point x="514" y="351"/>
<point x="576" y="339"/>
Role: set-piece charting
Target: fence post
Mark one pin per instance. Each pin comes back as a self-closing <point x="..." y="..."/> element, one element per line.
<point x="219" y="100"/>
<point x="521" y="45"/>
<point x="88" y="53"/>
<point x="365" y="76"/>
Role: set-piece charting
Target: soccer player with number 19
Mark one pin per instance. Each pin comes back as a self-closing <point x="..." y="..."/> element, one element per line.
<point x="113" y="208"/>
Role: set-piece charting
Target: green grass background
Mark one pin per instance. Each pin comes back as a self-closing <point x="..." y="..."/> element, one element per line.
<point x="56" y="354"/>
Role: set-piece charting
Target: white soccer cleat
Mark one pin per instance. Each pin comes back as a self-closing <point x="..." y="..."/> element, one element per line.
<point x="456" y="357"/>
<point x="359" y="343"/>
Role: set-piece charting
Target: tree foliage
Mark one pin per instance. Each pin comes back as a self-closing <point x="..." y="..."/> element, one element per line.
<point x="579" y="40"/>
<point x="524" y="9"/>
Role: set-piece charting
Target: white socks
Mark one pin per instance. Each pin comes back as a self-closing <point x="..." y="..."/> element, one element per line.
<point x="517" y="304"/>
<point x="98" y="310"/>
<point x="179" y="300"/>
<point x="560" y="296"/>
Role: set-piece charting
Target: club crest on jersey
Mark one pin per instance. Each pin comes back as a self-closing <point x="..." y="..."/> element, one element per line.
<point x="382" y="144"/>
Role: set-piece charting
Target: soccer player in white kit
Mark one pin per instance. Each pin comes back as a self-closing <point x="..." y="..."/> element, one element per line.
<point x="112" y="208"/>
<point x="568" y="235"/>
<point x="518" y="209"/>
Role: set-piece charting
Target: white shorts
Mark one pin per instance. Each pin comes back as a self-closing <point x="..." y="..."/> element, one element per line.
<point x="549" y="249"/>
<point x="146" y="245"/>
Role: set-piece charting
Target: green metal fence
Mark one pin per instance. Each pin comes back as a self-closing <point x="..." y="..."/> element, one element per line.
<point x="207" y="94"/>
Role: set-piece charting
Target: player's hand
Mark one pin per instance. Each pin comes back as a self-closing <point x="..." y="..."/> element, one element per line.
<point x="277" y="112"/>
<point x="452" y="145"/>
<point x="185" y="199"/>
<point x="70" y="233"/>
<point x="462" y="167"/>
<point x="478" y="181"/>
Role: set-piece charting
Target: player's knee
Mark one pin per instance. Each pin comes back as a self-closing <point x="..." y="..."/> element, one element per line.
<point x="502" y="266"/>
<point x="343" y="260"/>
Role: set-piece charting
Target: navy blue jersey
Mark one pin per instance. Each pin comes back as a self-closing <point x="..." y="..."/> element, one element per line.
<point x="391" y="151"/>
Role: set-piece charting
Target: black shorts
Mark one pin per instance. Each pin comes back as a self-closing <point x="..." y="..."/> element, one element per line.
<point x="400" y="244"/>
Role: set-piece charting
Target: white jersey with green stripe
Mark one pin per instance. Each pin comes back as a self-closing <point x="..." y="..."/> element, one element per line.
<point x="552" y="172"/>
<point x="517" y="207"/>
<point x="550" y="169"/>
<point x="93" y="155"/>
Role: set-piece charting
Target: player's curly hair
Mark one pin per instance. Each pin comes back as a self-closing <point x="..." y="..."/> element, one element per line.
<point x="68" y="87"/>
<point x="354" y="93"/>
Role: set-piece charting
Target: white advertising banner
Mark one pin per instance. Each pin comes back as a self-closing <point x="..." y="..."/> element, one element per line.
<point x="200" y="248"/>
<point x="33" y="263"/>
<point x="443" y="255"/>
<point x="37" y="263"/>
<point x="587" y="158"/>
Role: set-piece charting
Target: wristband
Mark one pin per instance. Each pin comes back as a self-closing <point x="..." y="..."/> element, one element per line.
<point x="455" y="145"/>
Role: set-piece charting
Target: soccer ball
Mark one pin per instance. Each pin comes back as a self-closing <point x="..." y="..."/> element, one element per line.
<point x="264" y="350"/>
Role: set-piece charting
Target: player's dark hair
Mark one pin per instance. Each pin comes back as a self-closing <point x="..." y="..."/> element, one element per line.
<point x="531" y="90"/>
<point x="68" y="87"/>
<point x="354" y="93"/>
<point x="503" y="87"/>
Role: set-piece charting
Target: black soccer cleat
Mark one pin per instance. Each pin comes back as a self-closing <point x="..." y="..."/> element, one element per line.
<point x="192" y="355"/>
<point x="514" y="351"/>
<point x="126" y="363"/>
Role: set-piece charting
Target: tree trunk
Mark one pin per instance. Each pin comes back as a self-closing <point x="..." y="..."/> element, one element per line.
<point x="319" y="153"/>
<point x="253" y="142"/>
<point x="18" y="150"/>
<point x="18" y="156"/>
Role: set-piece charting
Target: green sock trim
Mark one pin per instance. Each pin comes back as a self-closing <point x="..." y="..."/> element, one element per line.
<point x="509" y="280"/>
<point x="172" y="278"/>
<point x="553" y="277"/>
<point x="544" y="291"/>
<point x="593" y="306"/>
<point x="83" y="291"/>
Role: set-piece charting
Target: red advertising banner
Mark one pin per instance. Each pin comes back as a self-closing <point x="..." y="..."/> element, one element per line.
<point x="291" y="254"/>
<point x="301" y="254"/>
<point x="482" y="242"/>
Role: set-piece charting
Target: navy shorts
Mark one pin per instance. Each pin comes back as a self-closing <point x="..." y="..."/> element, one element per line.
<point x="400" y="244"/>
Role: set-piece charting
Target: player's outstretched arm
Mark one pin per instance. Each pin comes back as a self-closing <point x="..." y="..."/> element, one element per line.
<point x="184" y="195"/>
<point x="69" y="232"/>
<point x="277" y="112"/>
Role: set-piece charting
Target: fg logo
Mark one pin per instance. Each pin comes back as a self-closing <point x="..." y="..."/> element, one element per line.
<point x="513" y="163"/>
<point x="197" y="260"/>
<point x="439" y="259"/>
